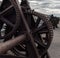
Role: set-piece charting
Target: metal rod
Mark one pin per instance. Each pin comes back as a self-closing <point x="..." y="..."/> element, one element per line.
<point x="6" y="21"/>
<point x="4" y="47"/>
<point x="28" y="30"/>
<point x="2" y="13"/>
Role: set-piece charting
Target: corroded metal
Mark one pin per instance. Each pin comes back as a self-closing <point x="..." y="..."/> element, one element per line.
<point x="46" y="20"/>
<point x="5" y="7"/>
<point x="35" y="45"/>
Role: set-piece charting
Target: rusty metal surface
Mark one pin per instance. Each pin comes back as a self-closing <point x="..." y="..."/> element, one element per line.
<point x="17" y="18"/>
<point x="35" y="44"/>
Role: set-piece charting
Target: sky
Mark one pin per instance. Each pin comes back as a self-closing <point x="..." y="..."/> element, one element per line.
<point x="46" y="6"/>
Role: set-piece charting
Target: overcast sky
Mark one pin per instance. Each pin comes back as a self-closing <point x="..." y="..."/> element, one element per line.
<point x="46" y="6"/>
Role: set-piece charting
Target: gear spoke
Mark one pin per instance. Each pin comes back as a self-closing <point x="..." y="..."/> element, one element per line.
<point x="43" y="31"/>
<point x="40" y="43"/>
<point x="6" y="10"/>
<point x="38" y="29"/>
<point x="6" y="21"/>
<point x="37" y="22"/>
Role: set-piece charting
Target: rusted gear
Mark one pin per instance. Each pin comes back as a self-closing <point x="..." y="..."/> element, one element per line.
<point x="47" y="23"/>
<point x="6" y="8"/>
<point x="42" y="35"/>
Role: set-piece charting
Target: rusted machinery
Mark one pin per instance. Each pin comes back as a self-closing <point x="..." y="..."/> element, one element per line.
<point x="34" y="29"/>
<point x="55" y="21"/>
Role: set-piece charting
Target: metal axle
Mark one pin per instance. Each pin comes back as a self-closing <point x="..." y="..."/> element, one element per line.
<point x="4" y="47"/>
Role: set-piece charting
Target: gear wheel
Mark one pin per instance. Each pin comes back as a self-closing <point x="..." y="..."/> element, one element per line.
<point x="42" y="33"/>
<point x="5" y="17"/>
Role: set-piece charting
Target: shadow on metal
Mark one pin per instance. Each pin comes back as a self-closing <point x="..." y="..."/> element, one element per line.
<point x="8" y="56"/>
